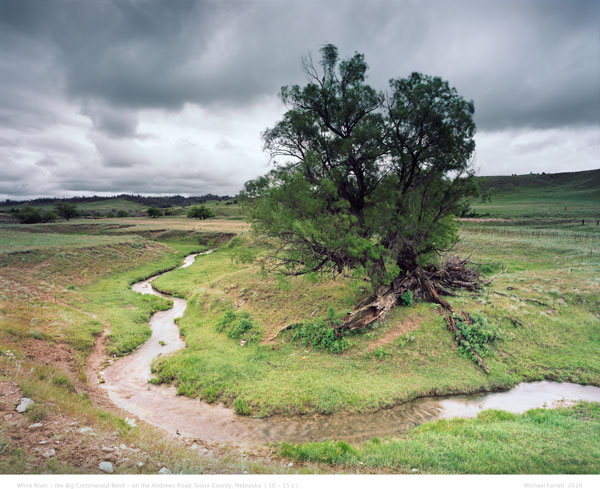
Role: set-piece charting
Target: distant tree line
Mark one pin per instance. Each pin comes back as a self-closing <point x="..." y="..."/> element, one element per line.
<point x="162" y="202"/>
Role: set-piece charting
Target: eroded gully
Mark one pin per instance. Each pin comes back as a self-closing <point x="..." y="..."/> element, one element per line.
<point x="126" y="382"/>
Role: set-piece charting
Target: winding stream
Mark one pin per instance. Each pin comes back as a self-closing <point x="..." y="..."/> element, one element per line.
<point x="126" y="382"/>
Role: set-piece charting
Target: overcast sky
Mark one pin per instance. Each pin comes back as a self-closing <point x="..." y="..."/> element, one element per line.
<point x="163" y="97"/>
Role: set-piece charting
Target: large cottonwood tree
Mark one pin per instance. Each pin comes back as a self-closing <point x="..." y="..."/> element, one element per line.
<point x="367" y="181"/>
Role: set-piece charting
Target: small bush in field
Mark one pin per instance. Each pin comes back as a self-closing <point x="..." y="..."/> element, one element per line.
<point x="239" y="326"/>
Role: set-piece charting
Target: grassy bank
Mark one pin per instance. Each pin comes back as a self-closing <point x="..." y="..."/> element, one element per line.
<point x="61" y="285"/>
<point x="543" y="309"/>
<point x="540" y="441"/>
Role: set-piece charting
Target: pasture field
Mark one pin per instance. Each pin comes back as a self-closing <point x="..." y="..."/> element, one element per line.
<point x="100" y="206"/>
<point x="552" y="196"/>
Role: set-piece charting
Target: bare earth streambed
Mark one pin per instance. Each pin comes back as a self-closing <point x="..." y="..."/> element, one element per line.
<point x="126" y="382"/>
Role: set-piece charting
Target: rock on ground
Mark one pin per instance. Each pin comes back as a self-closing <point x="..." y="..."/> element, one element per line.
<point x="49" y="453"/>
<point x="25" y="404"/>
<point x="106" y="467"/>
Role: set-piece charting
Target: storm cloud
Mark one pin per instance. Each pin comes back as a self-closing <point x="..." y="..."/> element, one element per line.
<point x="171" y="97"/>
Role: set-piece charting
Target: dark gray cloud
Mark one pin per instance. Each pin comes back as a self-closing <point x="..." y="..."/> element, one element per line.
<point x="97" y="87"/>
<point x="114" y="121"/>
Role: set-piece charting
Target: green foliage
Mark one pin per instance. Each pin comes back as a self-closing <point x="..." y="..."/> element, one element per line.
<point x="241" y="250"/>
<point x="406" y="299"/>
<point x="239" y="326"/>
<point x="31" y="215"/>
<point x="200" y="212"/>
<point x="380" y="353"/>
<point x="489" y="268"/>
<point x="480" y="335"/>
<point x="66" y="210"/>
<point x="405" y="340"/>
<point x="374" y="180"/>
<point x="37" y="412"/>
<point x="154" y="212"/>
<point x="320" y="333"/>
<point x="122" y="213"/>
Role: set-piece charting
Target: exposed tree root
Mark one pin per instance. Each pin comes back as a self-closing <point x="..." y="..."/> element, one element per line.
<point x="515" y="296"/>
<point x="428" y="285"/>
<point x="515" y="321"/>
<point x="285" y="328"/>
<point x="494" y="277"/>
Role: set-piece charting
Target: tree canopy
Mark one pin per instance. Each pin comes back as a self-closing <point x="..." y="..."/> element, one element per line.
<point x="154" y="212"/>
<point x="200" y="212"/>
<point x="363" y="179"/>
<point x="31" y="215"/>
<point x="66" y="210"/>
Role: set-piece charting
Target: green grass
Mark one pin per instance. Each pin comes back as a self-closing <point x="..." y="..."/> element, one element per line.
<point x="559" y="339"/>
<point x="64" y="287"/>
<point x="100" y="206"/>
<point x="48" y="299"/>
<point x="18" y="241"/>
<point x="540" y="441"/>
<point x="562" y="195"/>
<point x="128" y="312"/>
<point x="57" y="275"/>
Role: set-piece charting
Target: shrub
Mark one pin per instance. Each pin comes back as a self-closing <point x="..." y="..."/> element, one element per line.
<point x="239" y="326"/>
<point x="153" y="212"/>
<point x="31" y="215"/>
<point x="37" y="413"/>
<point x="200" y="212"/>
<point x="480" y="335"/>
<point x="405" y="340"/>
<point x="380" y="353"/>
<point x="320" y="333"/>
<point x="66" y="210"/>
<point x="122" y="213"/>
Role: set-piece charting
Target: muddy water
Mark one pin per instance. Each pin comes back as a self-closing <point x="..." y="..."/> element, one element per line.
<point x="126" y="382"/>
